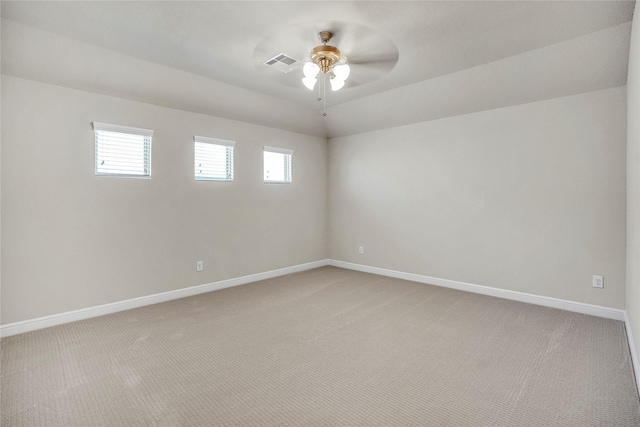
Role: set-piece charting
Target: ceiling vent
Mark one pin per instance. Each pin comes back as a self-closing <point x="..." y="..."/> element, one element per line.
<point x="281" y="62"/>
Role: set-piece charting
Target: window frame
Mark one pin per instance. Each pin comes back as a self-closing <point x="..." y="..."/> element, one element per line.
<point x="147" y="135"/>
<point x="219" y="142"/>
<point x="288" y="172"/>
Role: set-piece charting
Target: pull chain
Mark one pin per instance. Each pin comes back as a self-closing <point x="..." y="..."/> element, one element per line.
<point x="324" y="86"/>
<point x="324" y="96"/>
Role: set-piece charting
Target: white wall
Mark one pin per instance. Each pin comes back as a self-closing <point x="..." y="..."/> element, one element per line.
<point x="633" y="184"/>
<point x="73" y="240"/>
<point x="528" y="198"/>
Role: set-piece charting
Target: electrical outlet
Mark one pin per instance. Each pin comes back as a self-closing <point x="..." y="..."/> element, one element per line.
<point x="199" y="266"/>
<point x="598" y="282"/>
<point x="360" y="249"/>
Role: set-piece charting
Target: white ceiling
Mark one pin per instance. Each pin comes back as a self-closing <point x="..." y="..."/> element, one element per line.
<point x="454" y="57"/>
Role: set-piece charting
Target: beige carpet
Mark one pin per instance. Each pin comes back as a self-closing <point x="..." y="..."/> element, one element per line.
<point x="327" y="347"/>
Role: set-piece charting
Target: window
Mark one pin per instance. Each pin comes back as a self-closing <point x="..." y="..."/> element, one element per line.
<point x="277" y="165"/>
<point x="122" y="150"/>
<point x="213" y="159"/>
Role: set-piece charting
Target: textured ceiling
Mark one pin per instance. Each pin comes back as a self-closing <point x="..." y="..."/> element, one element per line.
<point x="445" y="49"/>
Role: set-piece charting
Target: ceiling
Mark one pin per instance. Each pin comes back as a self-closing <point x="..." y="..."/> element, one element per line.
<point x="454" y="57"/>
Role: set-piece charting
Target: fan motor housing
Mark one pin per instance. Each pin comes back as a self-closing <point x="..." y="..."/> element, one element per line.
<point x="325" y="57"/>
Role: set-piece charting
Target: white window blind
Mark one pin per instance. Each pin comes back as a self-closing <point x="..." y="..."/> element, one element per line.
<point x="213" y="159"/>
<point x="122" y="150"/>
<point x="277" y="164"/>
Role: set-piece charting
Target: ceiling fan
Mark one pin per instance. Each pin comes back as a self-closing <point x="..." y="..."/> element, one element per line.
<point x="328" y="60"/>
<point x="350" y="55"/>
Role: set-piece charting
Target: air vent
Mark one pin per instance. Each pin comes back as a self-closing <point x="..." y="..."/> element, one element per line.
<point x="281" y="62"/>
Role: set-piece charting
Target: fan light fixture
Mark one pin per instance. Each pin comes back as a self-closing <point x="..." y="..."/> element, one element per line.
<point x="326" y="59"/>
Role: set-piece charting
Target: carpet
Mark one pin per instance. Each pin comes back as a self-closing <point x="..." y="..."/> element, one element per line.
<point x="325" y="347"/>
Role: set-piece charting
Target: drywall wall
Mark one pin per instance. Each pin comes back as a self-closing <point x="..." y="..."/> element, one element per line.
<point x="528" y="198"/>
<point x="73" y="240"/>
<point x="633" y="184"/>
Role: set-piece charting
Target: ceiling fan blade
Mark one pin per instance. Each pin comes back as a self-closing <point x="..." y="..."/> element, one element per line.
<point x="354" y="38"/>
<point x="367" y="72"/>
<point x="390" y="58"/>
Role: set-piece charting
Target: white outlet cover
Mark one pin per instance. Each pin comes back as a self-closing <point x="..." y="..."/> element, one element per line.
<point x="598" y="281"/>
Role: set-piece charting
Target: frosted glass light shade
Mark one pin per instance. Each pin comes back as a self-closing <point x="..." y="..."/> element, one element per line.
<point x="310" y="69"/>
<point x="309" y="82"/>
<point x="342" y="71"/>
<point x="336" y="84"/>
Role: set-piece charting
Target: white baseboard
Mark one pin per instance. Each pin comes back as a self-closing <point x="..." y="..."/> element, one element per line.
<point x="86" y="313"/>
<point x="100" y="310"/>
<point x="634" y="353"/>
<point x="578" y="307"/>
